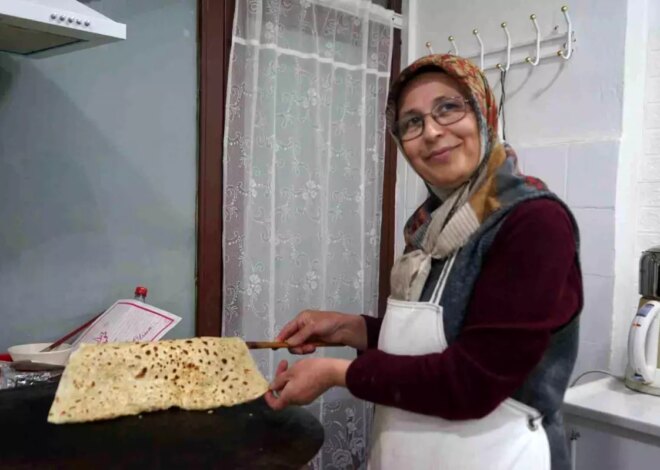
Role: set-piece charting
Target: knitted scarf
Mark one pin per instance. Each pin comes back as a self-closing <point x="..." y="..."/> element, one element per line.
<point x="440" y="227"/>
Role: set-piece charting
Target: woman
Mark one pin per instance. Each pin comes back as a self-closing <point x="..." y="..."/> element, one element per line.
<point x="469" y="366"/>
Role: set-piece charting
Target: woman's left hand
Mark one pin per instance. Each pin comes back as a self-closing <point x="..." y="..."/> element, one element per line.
<point x="306" y="380"/>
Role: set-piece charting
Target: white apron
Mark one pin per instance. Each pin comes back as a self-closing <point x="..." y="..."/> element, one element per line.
<point x="509" y="438"/>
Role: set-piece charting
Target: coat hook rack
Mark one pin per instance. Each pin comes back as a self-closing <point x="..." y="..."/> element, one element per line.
<point x="481" y="47"/>
<point x="569" y="35"/>
<point x="565" y="52"/>
<point x="453" y="44"/>
<point x="508" y="49"/>
<point x="537" y="58"/>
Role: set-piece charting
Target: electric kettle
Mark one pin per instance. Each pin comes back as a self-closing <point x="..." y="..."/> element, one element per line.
<point x="643" y="373"/>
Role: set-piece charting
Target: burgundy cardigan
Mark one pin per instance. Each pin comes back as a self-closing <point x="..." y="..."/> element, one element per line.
<point x="529" y="286"/>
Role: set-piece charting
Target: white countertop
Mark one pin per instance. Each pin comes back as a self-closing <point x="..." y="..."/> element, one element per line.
<point x="608" y="400"/>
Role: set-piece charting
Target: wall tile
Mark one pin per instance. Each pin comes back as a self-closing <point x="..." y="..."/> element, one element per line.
<point x="653" y="64"/>
<point x="591" y="174"/>
<point x="652" y="142"/>
<point x="648" y="219"/>
<point x="649" y="194"/>
<point x="649" y="169"/>
<point x="653" y="90"/>
<point x="596" y="240"/>
<point x="591" y="356"/>
<point x="652" y="116"/>
<point x="646" y="240"/>
<point x="596" y="321"/>
<point x="549" y="164"/>
<point x="654" y="41"/>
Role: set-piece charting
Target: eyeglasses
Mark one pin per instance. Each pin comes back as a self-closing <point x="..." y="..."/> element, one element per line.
<point x="445" y="112"/>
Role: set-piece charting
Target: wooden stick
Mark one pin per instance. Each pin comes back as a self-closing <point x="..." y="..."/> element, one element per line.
<point x="284" y="344"/>
<point x="70" y="334"/>
<point x="29" y="366"/>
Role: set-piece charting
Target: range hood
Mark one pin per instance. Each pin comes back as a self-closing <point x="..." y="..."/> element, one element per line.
<point x="43" y="28"/>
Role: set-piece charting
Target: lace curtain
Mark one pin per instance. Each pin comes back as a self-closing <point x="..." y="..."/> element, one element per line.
<point x="304" y="147"/>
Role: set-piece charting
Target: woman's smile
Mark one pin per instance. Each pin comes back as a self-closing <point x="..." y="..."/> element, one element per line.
<point x="442" y="155"/>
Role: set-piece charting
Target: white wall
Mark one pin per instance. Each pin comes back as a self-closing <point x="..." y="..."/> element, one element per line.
<point x="564" y="118"/>
<point x="648" y="227"/>
<point x="640" y="224"/>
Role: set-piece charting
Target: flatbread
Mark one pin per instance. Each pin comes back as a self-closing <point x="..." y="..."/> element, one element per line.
<point x="104" y="381"/>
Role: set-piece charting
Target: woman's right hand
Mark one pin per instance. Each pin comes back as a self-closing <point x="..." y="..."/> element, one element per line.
<point x="330" y="327"/>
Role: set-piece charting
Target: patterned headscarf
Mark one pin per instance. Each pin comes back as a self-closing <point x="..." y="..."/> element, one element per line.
<point x="442" y="225"/>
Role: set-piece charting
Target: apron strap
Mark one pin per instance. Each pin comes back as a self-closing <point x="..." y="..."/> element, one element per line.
<point x="442" y="280"/>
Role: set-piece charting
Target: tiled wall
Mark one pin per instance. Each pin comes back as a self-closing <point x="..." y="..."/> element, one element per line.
<point x="648" y="224"/>
<point x="563" y="118"/>
<point x="584" y="176"/>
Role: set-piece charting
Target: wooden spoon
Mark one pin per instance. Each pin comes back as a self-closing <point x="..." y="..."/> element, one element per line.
<point x="285" y="345"/>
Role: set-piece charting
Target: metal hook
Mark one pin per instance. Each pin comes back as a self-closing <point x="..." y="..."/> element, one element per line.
<point x="535" y="60"/>
<point x="569" y="36"/>
<point x="428" y="46"/>
<point x="481" y="47"/>
<point x="508" y="49"/>
<point x="453" y="43"/>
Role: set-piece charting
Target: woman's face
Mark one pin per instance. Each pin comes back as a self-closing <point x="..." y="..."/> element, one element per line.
<point x="444" y="156"/>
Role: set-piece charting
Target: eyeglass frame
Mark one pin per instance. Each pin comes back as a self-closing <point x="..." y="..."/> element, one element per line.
<point x="467" y="109"/>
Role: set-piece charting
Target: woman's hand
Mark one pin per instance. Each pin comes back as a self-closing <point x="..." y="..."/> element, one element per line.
<point x="329" y="327"/>
<point x="305" y="381"/>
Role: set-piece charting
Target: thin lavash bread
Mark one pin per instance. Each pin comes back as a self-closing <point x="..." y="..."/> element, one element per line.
<point x="104" y="381"/>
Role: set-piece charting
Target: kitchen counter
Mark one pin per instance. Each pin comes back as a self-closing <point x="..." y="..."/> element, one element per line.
<point x="610" y="402"/>
<point x="247" y="436"/>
